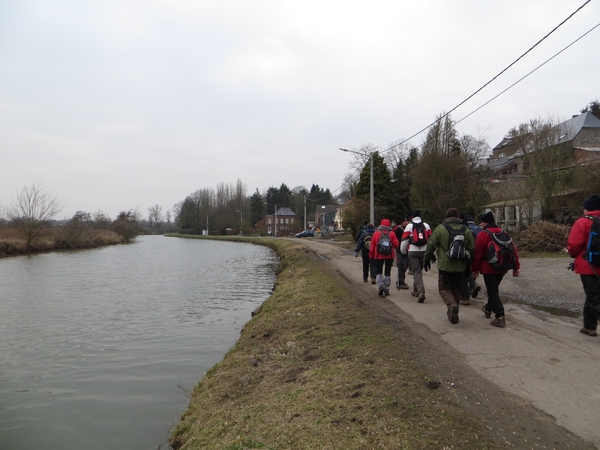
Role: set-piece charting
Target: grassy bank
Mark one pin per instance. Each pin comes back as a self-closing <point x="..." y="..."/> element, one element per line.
<point x="13" y="243"/>
<point x="316" y="368"/>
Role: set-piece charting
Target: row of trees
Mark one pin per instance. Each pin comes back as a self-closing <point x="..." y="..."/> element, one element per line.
<point x="447" y="171"/>
<point x="34" y="210"/>
<point x="229" y="206"/>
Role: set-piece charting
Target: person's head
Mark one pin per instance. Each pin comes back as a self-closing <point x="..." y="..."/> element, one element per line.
<point x="592" y="203"/>
<point x="487" y="218"/>
<point x="385" y="223"/>
<point x="469" y="218"/>
<point x="416" y="213"/>
<point x="365" y="223"/>
<point x="452" y="212"/>
<point x="405" y="220"/>
<point x="370" y="225"/>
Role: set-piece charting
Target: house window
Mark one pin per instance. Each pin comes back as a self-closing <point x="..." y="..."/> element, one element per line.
<point x="292" y="220"/>
<point x="287" y="220"/>
<point x="268" y="229"/>
<point x="269" y="221"/>
<point x="501" y="155"/>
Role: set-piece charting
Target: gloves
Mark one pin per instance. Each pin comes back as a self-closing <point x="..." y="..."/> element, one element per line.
<point x="433" y="258"/>
<point x="571" y="266"/>
<point x="356" y="254"/>
<point x="426" y="265"/>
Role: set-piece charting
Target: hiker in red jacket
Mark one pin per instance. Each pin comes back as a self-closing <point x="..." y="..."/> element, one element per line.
<point x="589" y="273"/>
<point x="383" y="235"/>
<point x="491" y="277"/>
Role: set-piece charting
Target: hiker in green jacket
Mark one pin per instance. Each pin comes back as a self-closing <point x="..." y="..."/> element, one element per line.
<point x="452" y="244"/>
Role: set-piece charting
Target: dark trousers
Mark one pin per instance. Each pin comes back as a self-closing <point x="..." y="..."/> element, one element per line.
<point x="449" y="286"/>
<point x="492" y="284"/>
<point x="384" y="266"/>
<point x="467" y="285"/>
<point x="402" y="263"/>
<point x="367" y="265"/>
<point x="591" y="307"/>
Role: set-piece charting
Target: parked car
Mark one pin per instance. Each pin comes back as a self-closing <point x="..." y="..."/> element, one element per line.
<point x="306" y="233"/>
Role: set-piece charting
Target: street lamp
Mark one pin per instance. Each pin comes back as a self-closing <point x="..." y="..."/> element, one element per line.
<point x="371" y="197"/>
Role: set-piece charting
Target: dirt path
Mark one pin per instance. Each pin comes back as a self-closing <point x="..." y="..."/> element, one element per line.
<point x="529" y="382"/>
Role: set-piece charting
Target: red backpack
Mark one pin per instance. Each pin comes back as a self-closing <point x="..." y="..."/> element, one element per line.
<point x="501" y="251"/>
<point x="418" y="236"/>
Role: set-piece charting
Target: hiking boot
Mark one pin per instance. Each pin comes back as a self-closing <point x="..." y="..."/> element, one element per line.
<point x="403" y="286"/>
<point x="589" y="332"/>
<point x="373" y="281"/>
<point x="487" y="313"/>
<point x="381" y="291"/>
<point x="386" y="293"/>
<point x="365" y="279"/>
<point x="410" y="272"/>
<point x="476" y="290"/>
<point x="421" y="298"/>
<point x="414" y="294"/>
<point x="453" y="315"/>
<point x="499" y="322"/>
<point x="465" y="302"/>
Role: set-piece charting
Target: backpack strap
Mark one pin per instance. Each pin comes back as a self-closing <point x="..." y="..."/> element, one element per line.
<point x="593" y="219"/>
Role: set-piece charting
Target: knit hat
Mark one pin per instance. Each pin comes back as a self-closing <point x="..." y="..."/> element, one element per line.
<point x="592" y="203"/>
<point x="452" y="212"/>
<point x="469" y="218"/>
<point x="488" y="217"/>
<point x="385" y="223"/>
<point x="416" y="213"/>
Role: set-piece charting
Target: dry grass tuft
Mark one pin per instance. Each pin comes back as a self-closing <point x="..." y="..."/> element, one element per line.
<point x="315" y="369"/>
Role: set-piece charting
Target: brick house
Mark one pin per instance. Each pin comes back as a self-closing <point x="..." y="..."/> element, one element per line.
<point x="283" y="223"/>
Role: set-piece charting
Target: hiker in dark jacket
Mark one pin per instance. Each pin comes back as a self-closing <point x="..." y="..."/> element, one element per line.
<point x="363" y="246"/>
<point x="361" y="230"/>
<point x="450" y="271"/>
<point x="401" y="259"/>
<point x="491" y="277"/>
<point x="589" y="273"/>
<point x="470" y="288"/>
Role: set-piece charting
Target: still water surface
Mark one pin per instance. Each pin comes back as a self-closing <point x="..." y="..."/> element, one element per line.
<point x="95" y="345"/>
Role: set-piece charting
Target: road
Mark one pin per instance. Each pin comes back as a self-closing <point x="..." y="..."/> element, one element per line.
<point x="538" y="360"/>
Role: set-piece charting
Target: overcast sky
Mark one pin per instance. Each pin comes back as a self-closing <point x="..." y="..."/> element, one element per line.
<point x="129" y="103"/>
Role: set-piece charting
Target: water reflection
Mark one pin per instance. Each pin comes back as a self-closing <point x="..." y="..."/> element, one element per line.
<point x="95" y="343"/>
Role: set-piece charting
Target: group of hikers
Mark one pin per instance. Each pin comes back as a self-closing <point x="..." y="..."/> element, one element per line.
<point x="464" y="250"/>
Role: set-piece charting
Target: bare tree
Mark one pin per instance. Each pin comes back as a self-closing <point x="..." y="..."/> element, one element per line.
<point x="546" y="158"/>
<point x="32" y="211"/>
<point x="155" y="215"/>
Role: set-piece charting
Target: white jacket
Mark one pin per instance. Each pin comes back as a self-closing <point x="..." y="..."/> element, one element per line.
<point x="405" y="245"/>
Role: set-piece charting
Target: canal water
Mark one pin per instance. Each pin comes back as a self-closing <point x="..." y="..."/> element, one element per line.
<point x="98" y="348"/>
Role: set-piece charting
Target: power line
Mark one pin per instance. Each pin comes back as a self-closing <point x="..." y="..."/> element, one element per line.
<point x="525" y="76"/>
<point x="486" y="84"/>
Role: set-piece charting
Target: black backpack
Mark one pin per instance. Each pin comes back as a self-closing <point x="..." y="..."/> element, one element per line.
<point x="384" y="245"/>
<point x="501" y="251"/>
<point x="592" y="251"/>
<point x="456" y="243"/>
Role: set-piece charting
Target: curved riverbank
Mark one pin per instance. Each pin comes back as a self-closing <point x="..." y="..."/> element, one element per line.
<point x="12" y="243"/>
<point x="324" y="366"/>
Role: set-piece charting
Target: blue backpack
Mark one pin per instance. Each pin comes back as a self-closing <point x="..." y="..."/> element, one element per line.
<point x="592" y="250"/>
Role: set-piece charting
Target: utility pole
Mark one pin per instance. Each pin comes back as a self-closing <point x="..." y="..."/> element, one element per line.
<point x="305" y="212"/>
